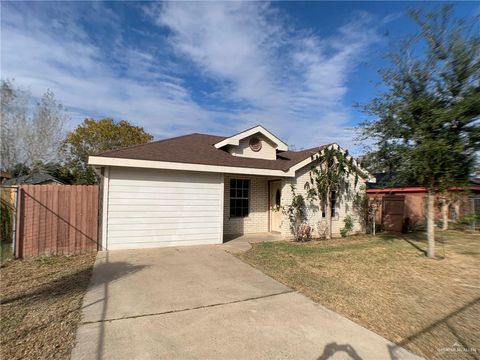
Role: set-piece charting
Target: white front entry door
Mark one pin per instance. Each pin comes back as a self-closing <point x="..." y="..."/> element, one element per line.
<point x="275" y="200"/>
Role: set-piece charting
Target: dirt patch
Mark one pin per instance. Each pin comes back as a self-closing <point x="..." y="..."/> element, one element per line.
<point x="40" y="305"/>
<point x="386" y="284"/>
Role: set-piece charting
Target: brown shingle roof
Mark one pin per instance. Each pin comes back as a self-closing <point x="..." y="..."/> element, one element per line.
<point x="199" y="149"/>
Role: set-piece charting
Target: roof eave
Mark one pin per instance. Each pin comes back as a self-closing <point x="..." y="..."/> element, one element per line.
<point x="168" y="165"/>
<point x="362" y="172"/>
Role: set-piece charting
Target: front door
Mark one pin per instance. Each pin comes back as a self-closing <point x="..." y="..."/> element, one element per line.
<point x="275" y="200"/>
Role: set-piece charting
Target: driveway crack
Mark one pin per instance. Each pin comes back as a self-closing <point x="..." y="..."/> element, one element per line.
<point x="188" y="309"/>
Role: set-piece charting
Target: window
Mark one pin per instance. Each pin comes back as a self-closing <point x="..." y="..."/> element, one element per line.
<point x="333" y="203"/>
<point x="239" y="197"/>
<point x="278" y="197"/>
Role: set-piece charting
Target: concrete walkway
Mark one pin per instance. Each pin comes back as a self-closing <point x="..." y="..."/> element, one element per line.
<point x="203" y="303"/>
<point x="241" y="243"/>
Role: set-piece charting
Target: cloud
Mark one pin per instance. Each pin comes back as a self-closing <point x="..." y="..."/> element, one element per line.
<point x="198" y="66"/>
<point x="62" y="57"/>
<point x="291" y="80"/>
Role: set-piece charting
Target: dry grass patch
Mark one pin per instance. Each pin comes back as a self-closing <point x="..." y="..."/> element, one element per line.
<point x="386" y="284"/>
<point x="40" y="305"/>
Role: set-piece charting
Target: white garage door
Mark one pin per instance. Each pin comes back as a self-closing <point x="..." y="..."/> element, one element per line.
<point x="151" y="208"/>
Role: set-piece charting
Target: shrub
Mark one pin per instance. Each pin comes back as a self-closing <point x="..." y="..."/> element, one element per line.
<point x="468" y="222"/>
<point x="5" y="222"/>
<point x="304" y="232"/>
<point x="412" y="224"/>
<point x="366" y="208"/>
<point x="348" y="221"/>
<point x="322" y="229"/>
<point x="296" y="213"/>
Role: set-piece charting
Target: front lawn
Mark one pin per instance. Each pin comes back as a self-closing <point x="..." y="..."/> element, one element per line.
<point x="386" y="284"/>
<point x="40" y="305"/>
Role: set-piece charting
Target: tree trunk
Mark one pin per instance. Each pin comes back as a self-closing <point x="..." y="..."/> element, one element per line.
<point x="430" y="224"/>
<point x="328" y="216"/>
<point x="445" y="214"/>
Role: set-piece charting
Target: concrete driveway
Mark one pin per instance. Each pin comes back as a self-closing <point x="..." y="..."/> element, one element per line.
<point x="203" y="303"/>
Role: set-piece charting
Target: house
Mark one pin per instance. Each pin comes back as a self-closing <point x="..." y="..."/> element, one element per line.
<point x="4" y="175"/>
<point x="199" y="189"/>
<point x="402" y="207"/>
<point x="37" y="178"/>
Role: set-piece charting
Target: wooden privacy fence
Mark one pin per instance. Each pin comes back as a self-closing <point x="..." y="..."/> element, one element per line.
<point x="56" y="219"/>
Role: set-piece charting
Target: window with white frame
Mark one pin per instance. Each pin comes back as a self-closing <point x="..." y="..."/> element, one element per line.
<point x="239" y="197"/>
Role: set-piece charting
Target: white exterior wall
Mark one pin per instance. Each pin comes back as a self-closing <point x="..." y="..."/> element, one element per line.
<point x="154" y="208"/>
<point x="314" y="212"/>
<point x="267" y="151"/>
<point x="257" y="219"/>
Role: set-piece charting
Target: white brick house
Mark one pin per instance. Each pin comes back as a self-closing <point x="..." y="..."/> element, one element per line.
<point x="199" y="189"/>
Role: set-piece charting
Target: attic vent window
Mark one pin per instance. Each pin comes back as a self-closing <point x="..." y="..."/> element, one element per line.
<point x="255" y="144"/>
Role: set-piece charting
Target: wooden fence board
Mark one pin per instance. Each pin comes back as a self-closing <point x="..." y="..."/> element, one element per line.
<point x="57" y="219"/>
<point x="62" y="233"/>
<point x="53" y="223"/>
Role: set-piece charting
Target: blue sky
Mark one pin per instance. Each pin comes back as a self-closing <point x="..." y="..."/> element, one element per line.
<point x="297" y="68"/>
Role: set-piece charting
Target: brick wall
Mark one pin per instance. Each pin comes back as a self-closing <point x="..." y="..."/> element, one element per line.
<point x="314" y="212"/>
<point x="257" y="219"/>
<point x="415" y="206"/>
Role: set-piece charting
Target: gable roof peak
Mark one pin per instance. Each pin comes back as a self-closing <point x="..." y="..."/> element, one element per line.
<point x="235" y="139"/>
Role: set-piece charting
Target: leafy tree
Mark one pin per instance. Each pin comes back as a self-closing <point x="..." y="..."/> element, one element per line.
<point x="426" y="121"/>
<point x="13" y="109"/>
<point x="96" y="136"/>
<point x="29" y="134"/>
<point x="329" y="175"/>
<point x="58" y="170"/>
<point x="19" y="169"/>
<point x="45" y="133"/>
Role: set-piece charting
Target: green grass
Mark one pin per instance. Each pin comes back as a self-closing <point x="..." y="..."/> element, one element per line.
<point x="387" y="284"/>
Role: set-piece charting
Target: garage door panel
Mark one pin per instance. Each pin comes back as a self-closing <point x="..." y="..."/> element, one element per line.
<point x="209" y="224"/>
<point x="165" y="243"/>
<point x="149" y="207"/>
<point x="151" y="175"/>
<point x="118" y="223"/>
<point x="146" y="209"/>
<point x="160" y="182"/>
<point x="138" y="228"/>
<point x="165" y="195"/>
<point x="166" y="202"/>
<point x="163" y="232"/>
<point x="161" y="189"/>
<point x="161" y="238"/>
<point x="123" y="216"/>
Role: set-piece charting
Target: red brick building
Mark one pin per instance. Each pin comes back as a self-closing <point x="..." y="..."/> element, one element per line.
<point x="404" y="208"/>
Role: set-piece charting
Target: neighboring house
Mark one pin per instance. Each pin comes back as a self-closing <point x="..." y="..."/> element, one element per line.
<point x="403" y="207"/>
<point x="4" y="175"/>
<point x="198" y="189"/>
<point x="32" y="179"/>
